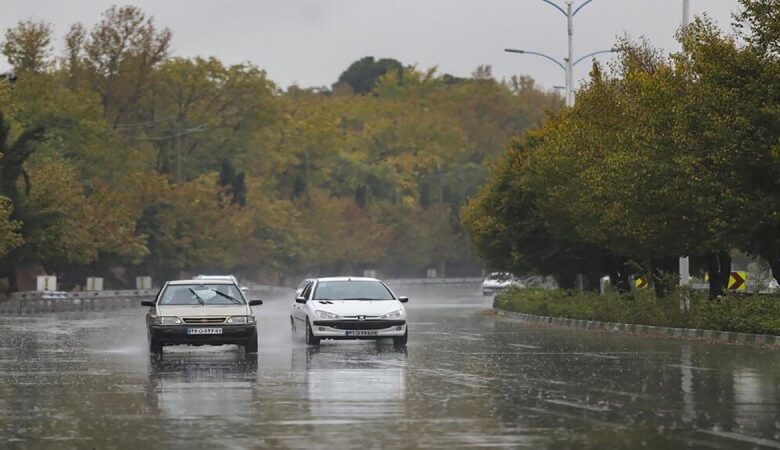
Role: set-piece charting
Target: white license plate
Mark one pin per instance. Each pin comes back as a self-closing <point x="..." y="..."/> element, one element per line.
<point x="204" y="330"/>
<point x="362" y="333"/>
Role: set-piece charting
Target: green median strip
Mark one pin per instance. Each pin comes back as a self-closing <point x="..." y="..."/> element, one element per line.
<point x="742" y="319"/>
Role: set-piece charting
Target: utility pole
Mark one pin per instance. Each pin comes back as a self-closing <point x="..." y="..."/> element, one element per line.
<point x="686" y="13"/>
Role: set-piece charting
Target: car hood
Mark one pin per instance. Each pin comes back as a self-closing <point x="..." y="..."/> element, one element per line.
<point x="356" y="307"/>
<point x="203" y="311"/>
<point x="497" y="283"/>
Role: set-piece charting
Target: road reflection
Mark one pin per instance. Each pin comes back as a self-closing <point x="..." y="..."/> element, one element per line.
<point x="363" y="381"/>
<point x="201" y="385"/>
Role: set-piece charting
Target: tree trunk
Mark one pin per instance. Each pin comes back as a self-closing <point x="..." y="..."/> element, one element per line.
<point x="567" y="280"/>
<point x="774" y="264"/>
<point x="621" y="277"/>
<point x="663" y="270"/>
<point x="719" y="268"/>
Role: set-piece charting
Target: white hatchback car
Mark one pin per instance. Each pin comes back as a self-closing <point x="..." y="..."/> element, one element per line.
<point x="500" y="281"/>
<point x="349" y="308"/>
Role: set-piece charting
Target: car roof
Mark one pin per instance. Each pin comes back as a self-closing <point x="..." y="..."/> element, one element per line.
<point x="202" y="281"/>
<point x="345" y="279"/>
<point x="216" y="277"/>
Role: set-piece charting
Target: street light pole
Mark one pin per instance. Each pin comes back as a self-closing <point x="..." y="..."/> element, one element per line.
<point x="569" y="12"/>
<point x="686" y="13"/>
<point x="570" y="59"/>
<point x="567" y="66"/>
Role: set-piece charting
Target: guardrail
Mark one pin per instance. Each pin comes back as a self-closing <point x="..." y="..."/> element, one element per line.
<point x="63" y="295"/>
<point x="39" y="302"/>
<point x="40" y="305"/>
<point x="432" y="281"/>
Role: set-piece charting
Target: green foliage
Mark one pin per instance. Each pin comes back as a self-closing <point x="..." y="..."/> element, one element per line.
<point x="9" y="228"/>
<point x="754" y="314"/>
<point x="120" y="159"/>
<point x="362" y="75"/>
<point x="28" y="47"/>
<point x="660" y="157"/>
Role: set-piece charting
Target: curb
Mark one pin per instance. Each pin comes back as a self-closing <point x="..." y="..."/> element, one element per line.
<point x="681" y="333"/>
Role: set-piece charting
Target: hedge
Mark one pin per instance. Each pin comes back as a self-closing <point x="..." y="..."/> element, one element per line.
<point x="746" y="314"/>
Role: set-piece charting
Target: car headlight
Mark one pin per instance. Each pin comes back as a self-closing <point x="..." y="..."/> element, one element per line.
<point x="326" y="315"/>
<point x="236" y="320"/>
<point x="397" y="314"/>
<point x="165" y="320"/>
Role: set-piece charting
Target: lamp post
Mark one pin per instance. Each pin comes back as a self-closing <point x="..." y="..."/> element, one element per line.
<point x="568" y="67"/>
<point x="568" y="63"/>
<point x="569" y="12"/>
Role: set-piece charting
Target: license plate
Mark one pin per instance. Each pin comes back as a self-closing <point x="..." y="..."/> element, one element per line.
<point x="362" y="333"/>
<point x="204" y="330"/>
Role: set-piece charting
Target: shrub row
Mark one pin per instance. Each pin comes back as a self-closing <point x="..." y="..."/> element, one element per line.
<point x="747" y="314"/>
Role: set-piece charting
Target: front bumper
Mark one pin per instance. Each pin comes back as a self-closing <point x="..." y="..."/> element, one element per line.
<point x="177" y="334"/>
<point x="344" y="329"/>
<point x="492" y="290"/>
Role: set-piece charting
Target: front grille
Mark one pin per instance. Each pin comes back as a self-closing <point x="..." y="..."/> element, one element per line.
<point x="203" y="320"/>
<point x="359" y="324"/>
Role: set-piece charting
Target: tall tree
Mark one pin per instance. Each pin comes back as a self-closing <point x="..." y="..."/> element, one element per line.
<point x="28" y="46"/>
<point x="363" y="74"/>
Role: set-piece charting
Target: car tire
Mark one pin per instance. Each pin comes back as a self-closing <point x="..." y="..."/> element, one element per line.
<point x="311" y="339"/>
<point x="155" y="346"/>
<point x="251" y="344"/>
<point x="400" y="341"/>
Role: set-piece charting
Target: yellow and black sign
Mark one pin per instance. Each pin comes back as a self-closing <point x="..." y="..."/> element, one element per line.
<point x="641" y="283"/>
<point x="738" y="281"/>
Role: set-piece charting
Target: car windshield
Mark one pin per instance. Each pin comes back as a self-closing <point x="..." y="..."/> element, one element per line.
<point x="201" y="294"/>
<point x="351" y="290"/>
<point x="500" y="276"/>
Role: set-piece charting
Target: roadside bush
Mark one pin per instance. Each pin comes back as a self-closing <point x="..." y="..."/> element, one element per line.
<point x="753" y="314"/>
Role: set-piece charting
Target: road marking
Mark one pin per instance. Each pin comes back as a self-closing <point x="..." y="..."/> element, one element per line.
<point x="742" y="438"/>
<point x="679" y="366"/>
<point x="578" y="405"/>
<point x="596" y="355"/>
<point x="525" y="346"/>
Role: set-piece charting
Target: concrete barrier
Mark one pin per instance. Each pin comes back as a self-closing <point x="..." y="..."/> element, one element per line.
<point x="681" y="333"/>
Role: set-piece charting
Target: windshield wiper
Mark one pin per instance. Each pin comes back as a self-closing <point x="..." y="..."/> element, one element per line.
<point x="359" y="298"/>
<point x="195" y="293"/>
<point x="227" y="296"/>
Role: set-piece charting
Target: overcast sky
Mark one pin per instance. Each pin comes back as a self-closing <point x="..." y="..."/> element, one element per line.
<point x="310" y="42"/>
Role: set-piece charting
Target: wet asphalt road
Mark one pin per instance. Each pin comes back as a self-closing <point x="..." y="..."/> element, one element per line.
<point x="466" y="380"/>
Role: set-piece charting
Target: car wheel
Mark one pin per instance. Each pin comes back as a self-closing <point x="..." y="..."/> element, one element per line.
<point x="311" y="339"/>
<point x="155" y="346"/>
<point x="400" y="341"/>
<point x="251" y="344"/>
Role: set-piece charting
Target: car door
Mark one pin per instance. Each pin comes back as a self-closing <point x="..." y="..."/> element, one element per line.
<point x="298" y="308"/>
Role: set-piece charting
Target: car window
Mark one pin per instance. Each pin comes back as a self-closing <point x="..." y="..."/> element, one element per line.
<point x="351" y="290"/>
<point x="307" y="290"/>
<point x="201" y="294"/>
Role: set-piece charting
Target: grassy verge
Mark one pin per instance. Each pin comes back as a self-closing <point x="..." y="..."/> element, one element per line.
<point x="754" y="314"/>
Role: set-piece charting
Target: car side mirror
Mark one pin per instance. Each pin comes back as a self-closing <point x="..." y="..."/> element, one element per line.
<point x="300" y="300"/>
<point x="255" y="302"/>
<point x="403" y="299"/>
<point x="149" y="303"/>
